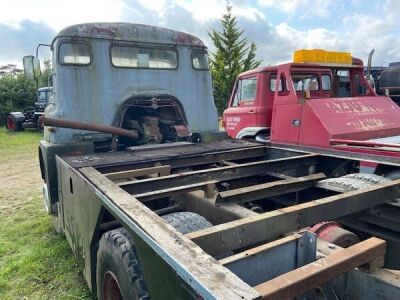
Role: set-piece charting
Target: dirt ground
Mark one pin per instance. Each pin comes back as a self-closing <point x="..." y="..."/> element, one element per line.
<point x="20" y="179"/>
<point x="35" y="262"/>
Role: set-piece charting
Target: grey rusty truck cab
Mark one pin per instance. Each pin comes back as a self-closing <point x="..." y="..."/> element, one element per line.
<point x="125" y="75"/>
<point x="155" y="205"/>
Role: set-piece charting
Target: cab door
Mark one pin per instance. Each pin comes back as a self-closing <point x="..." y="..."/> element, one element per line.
<point x="242" y="110"/>
<point x="287" y="109"/>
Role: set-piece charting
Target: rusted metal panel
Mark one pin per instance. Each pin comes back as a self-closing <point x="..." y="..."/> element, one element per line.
<point x="255" y="229"/>
<point x="265" y="190"/>
<point x="267" y="261"/>
<point x="301" y="280"/>
<point x="202" y="272"/>
<point x="130" y="32"/>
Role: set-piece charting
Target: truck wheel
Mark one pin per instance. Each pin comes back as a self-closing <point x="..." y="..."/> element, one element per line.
<point x="368" y="178"/>
<point x="186" y="222"/>
<point x="56" y="221"/>
<point x="355" y="181"/>
<point x="344" y="184"/>
<point x="12" y="124"/>
<point x="119" y="275"/>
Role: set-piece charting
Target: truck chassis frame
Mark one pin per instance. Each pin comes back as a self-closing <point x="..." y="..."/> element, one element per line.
<point x="245" y="255"/>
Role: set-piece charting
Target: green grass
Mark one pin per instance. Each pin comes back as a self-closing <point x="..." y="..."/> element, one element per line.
<point x="18" y="142"/>
<point x="35" y="262"/>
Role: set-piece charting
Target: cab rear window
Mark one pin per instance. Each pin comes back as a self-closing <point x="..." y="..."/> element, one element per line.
<point x="200" y="60"/>
<point x="74" y="54"/>
<point x="143" y="58"/>
<point x="305" y="82"/>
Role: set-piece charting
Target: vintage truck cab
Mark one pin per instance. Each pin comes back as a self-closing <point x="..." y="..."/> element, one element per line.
<point x="145" y="79"/>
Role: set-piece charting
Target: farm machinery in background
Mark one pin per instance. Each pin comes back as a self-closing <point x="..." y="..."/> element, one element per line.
<point x="17" y="121"/>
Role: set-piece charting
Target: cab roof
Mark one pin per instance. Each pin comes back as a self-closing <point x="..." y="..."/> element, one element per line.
<point x="356" y="63"/>
<point x="130" y="32"/>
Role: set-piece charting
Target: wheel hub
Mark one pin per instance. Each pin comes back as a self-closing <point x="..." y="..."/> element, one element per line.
<point x="111" y="290"/>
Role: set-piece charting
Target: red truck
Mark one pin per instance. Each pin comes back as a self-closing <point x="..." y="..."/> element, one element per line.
<point x="321" y="101"/>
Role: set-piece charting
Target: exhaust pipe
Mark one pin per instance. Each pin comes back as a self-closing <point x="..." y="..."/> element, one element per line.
<point x="368" y="76"/>
<point x="63" y="123"/>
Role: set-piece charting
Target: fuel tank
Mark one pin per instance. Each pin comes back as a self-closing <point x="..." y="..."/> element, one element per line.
<point x="390" y="79"/>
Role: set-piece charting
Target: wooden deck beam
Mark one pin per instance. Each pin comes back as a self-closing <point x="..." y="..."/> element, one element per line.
<point x="303" y="279"/>
<point x="204" y="186"/>
<point x="263" y="227"/>
<point x="270" y="189"/>
<point x="160" y="170"/>
<point x="219" y="174"/>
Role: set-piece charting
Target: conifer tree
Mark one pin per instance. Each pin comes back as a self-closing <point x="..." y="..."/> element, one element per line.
<point x="233" y="55"/>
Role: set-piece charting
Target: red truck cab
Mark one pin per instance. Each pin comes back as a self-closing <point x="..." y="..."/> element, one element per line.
<point x="321" y="100"/>
<point x="313" y="104"/>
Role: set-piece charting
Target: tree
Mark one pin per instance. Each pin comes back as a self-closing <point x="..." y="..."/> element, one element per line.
<point x="233" y="56"/>
<point x="46" y="72"/>
<point x="9" y="69"/>
<point x="16" y="94"/>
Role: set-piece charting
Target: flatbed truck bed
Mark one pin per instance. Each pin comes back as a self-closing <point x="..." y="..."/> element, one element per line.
<point x="258" y="199"/>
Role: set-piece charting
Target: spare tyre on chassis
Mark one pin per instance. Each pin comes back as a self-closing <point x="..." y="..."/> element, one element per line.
<point x="119" y="275"/>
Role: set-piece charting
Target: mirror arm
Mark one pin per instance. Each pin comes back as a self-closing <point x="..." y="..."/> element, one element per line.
<point x="38" y="46"/>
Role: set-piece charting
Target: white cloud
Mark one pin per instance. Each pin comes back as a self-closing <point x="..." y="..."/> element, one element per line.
<point x="60" y="13"/>
<point x="203" y="10"/>
<point x="302" y="8"/>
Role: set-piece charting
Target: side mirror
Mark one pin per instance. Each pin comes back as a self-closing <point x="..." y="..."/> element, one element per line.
<point x="31" y="67"/>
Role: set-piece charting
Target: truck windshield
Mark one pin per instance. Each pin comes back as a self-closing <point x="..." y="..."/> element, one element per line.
<point x="42" y="97"/>
<point x="305" y="82"/>
<point x="149" y="58"/>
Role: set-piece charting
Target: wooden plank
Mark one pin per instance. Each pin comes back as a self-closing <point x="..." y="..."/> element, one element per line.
<point x="174" y="191"/>
<point x="160" y="146"/>
<point x="161" y="170"/>
<point x="188" y="260"/>
<point x="301" y="280"/>
<point x="181" y="160"/>
<point x="270" y="189"/>
<point x="255" y="229"/>
<point x="221" y="173"/>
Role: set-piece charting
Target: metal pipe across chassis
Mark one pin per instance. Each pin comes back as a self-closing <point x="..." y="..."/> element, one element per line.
<point x="196" y="266"/>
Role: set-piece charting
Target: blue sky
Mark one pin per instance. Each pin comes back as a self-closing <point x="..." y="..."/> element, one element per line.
<point x="278" y="27"/>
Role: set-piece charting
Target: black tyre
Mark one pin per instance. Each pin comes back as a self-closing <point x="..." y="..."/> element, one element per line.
<point x="352" y="182"/>
<point x="186" y="221"/>
<point x="12" y="124"/>
<point x="119" y="275"/>
<point x="344" y="184"/>
<point x="56" y="221"/>
<point x="368" y="178"/>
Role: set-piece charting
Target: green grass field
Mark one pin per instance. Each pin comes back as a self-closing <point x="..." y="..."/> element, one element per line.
<point x="35" y="262"/>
